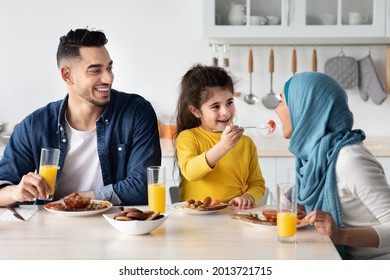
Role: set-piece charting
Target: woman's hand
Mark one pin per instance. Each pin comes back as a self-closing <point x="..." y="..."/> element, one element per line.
<point x="245" y="201"/>
<point x="325" y="225"/>
<point x="30" y="187"/>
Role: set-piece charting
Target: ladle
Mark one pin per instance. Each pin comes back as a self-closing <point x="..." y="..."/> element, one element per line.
<point x="270" y="101"/>
<point x="250" y="98"/>
<point x="314" y="61"/>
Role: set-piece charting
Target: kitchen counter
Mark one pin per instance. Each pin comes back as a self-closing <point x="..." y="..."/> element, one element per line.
<point x="278" y="147"/>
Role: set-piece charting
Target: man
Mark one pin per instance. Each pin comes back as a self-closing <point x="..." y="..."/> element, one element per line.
<point x="107" y="138"/>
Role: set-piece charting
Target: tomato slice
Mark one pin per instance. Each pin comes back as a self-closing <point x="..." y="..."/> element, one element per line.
<point x="272" y="126"/>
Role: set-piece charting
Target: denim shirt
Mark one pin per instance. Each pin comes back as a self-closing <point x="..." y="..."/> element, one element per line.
<point x="127" y="143"/>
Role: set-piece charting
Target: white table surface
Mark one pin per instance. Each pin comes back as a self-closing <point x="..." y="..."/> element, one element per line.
<point x="181" y="237"/>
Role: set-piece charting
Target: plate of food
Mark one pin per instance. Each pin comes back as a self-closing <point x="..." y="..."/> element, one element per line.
<point x="265" y="219"/>
<point x="74" y="205"/>
<point x="197" y="207"/>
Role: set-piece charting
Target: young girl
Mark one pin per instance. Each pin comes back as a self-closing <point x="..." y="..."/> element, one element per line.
<point x="223" y="165"/>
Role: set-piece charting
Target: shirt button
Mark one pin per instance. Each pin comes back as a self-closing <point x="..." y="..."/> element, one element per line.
<point x="120" y="149"/>
<point x="64" y="140"/>
<point x="106" y="120"/>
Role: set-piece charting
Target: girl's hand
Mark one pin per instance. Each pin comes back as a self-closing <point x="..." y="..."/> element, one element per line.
<point x="230" y="136"/>
<point x="229" y="139"/>
<point x="325" y="225"/>
<point x="245" y="201"/>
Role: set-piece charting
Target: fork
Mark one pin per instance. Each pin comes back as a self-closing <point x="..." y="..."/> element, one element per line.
<point x="245" y="127"/>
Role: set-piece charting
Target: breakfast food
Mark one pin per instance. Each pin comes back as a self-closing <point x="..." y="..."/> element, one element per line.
<point x="75" y="201"/>
<point x="272" y="125"/>
<point x="270" y="215"/>
<point x="135" y="214"/>
<point x="267" y="217"/>
<point x="251" y="218"/>
<point x="206" y="205"/>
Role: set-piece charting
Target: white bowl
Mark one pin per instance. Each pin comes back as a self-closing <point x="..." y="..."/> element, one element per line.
<point x="134" y="227"/>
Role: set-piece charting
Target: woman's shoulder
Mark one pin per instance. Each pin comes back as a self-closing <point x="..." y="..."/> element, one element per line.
<point x="354" y="157"/>
<point x="354" y="151"/>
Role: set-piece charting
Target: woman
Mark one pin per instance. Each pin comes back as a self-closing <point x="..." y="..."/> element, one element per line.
<point x="341" y="184"/>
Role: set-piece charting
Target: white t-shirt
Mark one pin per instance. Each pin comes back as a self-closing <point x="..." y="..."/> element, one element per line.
<point x="365" y="198"/>
<point x="81" y="170"/>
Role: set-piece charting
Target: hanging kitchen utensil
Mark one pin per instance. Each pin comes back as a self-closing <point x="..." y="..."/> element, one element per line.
<point x="250" y="98"/>
<point x="343" y="69"/>
<point x="294" y="62"/>
<point x="270" y="101"/>
<point x="314" y="61"/>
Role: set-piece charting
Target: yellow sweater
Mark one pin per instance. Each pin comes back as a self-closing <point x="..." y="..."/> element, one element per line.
<point x="237" y="173"/>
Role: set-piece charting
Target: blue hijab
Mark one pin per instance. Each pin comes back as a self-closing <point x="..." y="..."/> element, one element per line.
<point x="322" y="125"/>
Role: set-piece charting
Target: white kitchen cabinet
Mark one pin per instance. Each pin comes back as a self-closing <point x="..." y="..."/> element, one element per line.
<point x="268" y="168"/>
<point x="297" y="19"/>
<point x="340" y="18"/>
<point x="277" y="170"/>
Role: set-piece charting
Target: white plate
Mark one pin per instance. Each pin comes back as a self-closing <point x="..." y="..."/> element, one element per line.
<point x="78" y="213"/>
<point x="179" y="206"/>
<point x="269" y="227"/>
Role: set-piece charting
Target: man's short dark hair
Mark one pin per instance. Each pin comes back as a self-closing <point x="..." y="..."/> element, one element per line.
<point x="70" y="44"/>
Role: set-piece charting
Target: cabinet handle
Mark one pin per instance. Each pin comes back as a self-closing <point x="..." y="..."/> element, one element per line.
<point x="288" y="13"/>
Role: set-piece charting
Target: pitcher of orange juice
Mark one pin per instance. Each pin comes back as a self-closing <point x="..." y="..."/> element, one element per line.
<point x="156" y="188"/>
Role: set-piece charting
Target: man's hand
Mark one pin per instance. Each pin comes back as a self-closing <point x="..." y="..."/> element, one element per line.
<point x="30" y="187"/>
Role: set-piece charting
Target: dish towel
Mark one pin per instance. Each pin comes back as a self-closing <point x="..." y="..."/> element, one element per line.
<point x="369" y="83"/>
<point x="26" y="211"/>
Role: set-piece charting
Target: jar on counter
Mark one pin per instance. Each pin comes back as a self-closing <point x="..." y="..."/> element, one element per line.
<point x="169" y="130"/>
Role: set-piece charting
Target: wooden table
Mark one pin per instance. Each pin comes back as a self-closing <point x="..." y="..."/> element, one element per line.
<point x="181" y="237"/>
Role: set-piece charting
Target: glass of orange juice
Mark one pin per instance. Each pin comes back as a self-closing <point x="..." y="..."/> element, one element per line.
<point x="156" y="188"/>
<point x="48" y="168"/>
<point x="286" y="219"/>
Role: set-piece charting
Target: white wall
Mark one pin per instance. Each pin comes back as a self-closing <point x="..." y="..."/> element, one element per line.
<point x="152" y="43"/>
